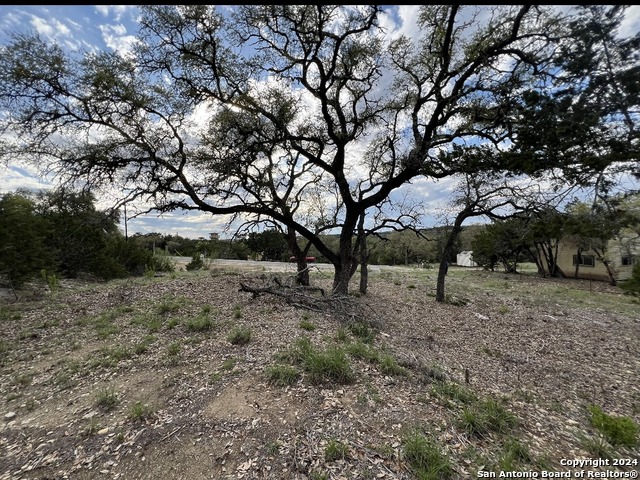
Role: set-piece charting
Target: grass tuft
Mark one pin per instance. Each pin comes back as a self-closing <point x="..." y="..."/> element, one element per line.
<point x="426" y="458"/>
<point x="617" y="430"/>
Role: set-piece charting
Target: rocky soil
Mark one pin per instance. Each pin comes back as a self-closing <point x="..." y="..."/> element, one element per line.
<point x="176" y="377"/>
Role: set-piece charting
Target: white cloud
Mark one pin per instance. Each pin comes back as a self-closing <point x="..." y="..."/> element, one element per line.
<point x="14" y="178"/>
<point x="631" y="24"/>
<point x="115" y="37"/>
<point x="116" y="11"/>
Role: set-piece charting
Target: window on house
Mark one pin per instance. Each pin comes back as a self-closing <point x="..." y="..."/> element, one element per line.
<point x="584" y="260"/>
<point x="628" y="260"/>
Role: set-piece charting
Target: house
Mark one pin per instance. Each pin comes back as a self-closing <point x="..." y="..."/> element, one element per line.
<point x="615" y="261"/>
<point x="465" y="259"/>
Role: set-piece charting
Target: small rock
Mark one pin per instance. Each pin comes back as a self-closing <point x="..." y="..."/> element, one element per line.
<point x="10" y="416"/>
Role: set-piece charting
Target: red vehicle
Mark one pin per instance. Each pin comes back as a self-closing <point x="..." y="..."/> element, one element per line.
<point x="308" y="259"/>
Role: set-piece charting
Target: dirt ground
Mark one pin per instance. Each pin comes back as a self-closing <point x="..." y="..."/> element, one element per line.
<point x="149" y="378"/>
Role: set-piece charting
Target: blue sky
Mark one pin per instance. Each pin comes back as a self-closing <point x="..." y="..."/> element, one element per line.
<point x="113" y="27"/>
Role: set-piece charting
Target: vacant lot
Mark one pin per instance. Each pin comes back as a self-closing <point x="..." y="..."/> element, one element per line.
<point x="184" y="376"/>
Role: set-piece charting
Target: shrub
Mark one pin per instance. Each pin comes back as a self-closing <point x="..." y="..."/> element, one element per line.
<point x="196" y="262"/>
<point x="617" y="430"/>
<point x="631" y="286"/>
<point x="239" y="336"/>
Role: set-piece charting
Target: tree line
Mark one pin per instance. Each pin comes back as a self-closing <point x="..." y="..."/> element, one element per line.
<point x="310" y="118"/>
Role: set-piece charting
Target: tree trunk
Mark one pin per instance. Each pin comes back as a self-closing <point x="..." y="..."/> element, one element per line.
<point x="364" y="256"/>
<point x="446" y="253"/>
<point x="605" y="262"/>
<point x="341" y="278"/>
<point x="302" y="275"/>
<point x="577" y="270"/>
<point x="442" y="273"/>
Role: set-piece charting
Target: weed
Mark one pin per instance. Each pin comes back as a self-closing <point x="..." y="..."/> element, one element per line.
<point x="239" y="336"/>
<point x="143" y="346"/>
<point x="173" y="350"/>
<point x="330" y="365"/>
<point x="30" y="405"/>
<point x="107" y="399"/>
<point x="273" y="448"/>
<point x="282" y="375"/>
<point x="342" y="335"/>
<point x="362" y="331"/>
<point x="5" y="348"/>
<point x="307" y="325"/>
<point x="426" y="458"/>
<point x="617" y="430"/>
<point x="503" y="309"/>
<point x="63" y="381"/>
<point x="8" y="313"/>
<point x="335" y="450"/>
<point x="453" y="391"/>
<point x="22" y="380"/>
<point x="93" y="426"/>
<point x="229" y="364"/>
<point x="140" y="411"/>
<point x="173" y="323"/>
<point x="596" y="446"/>
<point x="514" y="453"/>
<point x="485" y="417"/>
<point x="363" y="351"/>
<point x="318" y="476"/>
<point x="170" y="305"/>
<point x="389" y="366"/>
<point x="201" y="323"/>
<point x="237" y="312"/>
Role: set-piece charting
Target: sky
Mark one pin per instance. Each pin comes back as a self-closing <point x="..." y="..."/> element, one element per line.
<point x="113" y="28"/>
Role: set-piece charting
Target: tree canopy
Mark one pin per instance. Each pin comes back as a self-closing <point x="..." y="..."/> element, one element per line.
<point x="308" y="115"/>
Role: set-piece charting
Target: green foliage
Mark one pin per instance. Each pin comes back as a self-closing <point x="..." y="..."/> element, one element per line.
<point x="363" y="351"/>
<point x="107" y="399"/>
<point x="307" y="325"/>
<point x="617" y="430"/>
<point x="141" y="411"/>
<point x="239" y="336"/>
<point x="631" y="286"/>
<point x="389" y="366"/>
<point x="201" y="323"/>
<point x="196" y="263"/>
<point x="23" y="232"/>
<point x="363" y="331"/>
<point x="453" y="391"/>
<point x="335" y="450"/>
<point x="425" y="457"/>
<point x="514" y="454"/>
<point x="282" y="375"/>
<point x="330" y="365"/>
<point x="486" y="416"/>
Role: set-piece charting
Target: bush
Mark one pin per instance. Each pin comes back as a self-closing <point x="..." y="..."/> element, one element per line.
<point x="617" y="430"/>
<point x="196" y="262"/>
<point x="632" y="285"/>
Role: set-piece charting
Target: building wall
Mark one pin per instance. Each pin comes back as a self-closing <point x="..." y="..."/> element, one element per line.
<point x="464" y="259"/>
<point x="598" y="271"/>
